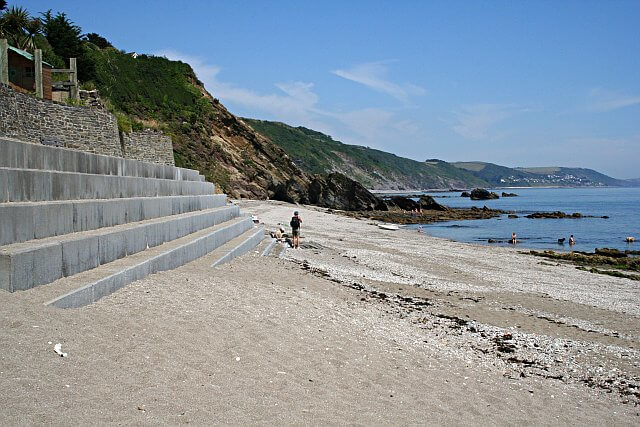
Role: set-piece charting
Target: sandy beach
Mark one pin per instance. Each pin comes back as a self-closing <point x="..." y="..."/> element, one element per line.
<point x="360" y="326"/>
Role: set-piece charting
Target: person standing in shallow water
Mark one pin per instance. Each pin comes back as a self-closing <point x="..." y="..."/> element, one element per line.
<point x="513" y="238"/>
<point x="295" y="223"/>
<point x="572" y="241"/>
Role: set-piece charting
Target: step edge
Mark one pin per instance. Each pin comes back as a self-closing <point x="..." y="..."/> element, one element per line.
<point x="60" y="300"/>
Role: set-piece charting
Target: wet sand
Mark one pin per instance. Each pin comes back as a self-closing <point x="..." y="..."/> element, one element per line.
<point x="361" y="326"/>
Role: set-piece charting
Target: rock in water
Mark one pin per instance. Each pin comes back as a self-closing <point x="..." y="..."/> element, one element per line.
<point x="465" y="194"/>
<point x="401" y="202"/>
<point x="429" y="203"/>
<point x="613" y="253"/>
<point x="555" y="215"/>
<point x="509" y="194"/>
<point x="482" y="194"/>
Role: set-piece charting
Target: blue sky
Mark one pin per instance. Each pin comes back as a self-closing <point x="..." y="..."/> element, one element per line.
<point x="515" y="83"/>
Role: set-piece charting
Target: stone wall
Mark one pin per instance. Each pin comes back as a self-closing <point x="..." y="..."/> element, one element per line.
<point x="31" y="119"/>
<point x="149" y="146"/>
<point x="95" y="130"/>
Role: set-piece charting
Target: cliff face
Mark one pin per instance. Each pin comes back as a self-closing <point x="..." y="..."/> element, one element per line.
<point x="244" y="163"/>
<point x="150" y="91"/>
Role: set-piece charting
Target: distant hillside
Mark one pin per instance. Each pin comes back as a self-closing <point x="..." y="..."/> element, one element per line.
<point x="316" y="152"/>
<point x="501" y="176"/>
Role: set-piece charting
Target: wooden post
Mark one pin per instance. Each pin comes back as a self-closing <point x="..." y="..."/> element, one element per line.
<point x="37" y="61"/>
<point x="4" y="61"/>
<point x="73" y="77"/>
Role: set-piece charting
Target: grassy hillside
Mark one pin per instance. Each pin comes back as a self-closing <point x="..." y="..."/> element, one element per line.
<point x="498" y="175"/>
<point x="150" y="91"/>
<point x="580" y="175"/>
<point x="316" y="152"/>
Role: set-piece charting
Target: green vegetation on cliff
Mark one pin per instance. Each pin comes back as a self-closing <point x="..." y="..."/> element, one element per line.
<point x="316" y="152"/>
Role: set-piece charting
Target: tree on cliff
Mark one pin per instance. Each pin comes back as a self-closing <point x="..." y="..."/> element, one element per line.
<point x="62" y="34"/>
<point x="3" y="4"/>
<point x="18" y="27"/>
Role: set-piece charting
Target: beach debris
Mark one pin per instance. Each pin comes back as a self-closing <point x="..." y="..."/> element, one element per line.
<point x="390" y="227"/>
<point x="58" y="350"/>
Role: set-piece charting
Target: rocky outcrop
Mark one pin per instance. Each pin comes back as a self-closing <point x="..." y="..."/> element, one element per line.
<point x="402" y="203"/>
<point x="554" y="215"/>
<point x="482" y="194"/>
<point x="613" y="253"/>
<point x="465" y="194"/>
<point x="561" y="215"/>
<point x="427" y="216"/>
<point x="336" y="191"/>
<point x="509" y="194"/>
<point x="428" y="203"/>
<point x="405" y="203"/>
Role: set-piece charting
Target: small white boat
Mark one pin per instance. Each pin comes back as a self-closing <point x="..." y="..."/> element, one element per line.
<point x="388" y="227"/>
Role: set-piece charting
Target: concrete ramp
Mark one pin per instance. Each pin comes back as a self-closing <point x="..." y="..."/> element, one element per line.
<point x="85" y="225"/>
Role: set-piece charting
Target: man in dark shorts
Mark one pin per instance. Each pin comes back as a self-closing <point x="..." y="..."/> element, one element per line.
<point x="295" y="223"/>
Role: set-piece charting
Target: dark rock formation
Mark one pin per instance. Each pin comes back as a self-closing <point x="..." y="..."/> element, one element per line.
<point x="482" y="194"/>
<point x="554" y="215"/>
<point x="428" y="203"/>
<point x="465" y="194"/>
<point x="336" y="191"/>
<point x="509" y="194"/>
<point x="613" y="253"/>
<point x="402" y="202"/>
<point x="513" y="216"/>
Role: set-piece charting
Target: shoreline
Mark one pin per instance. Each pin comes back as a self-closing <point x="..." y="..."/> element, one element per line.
<point x="448" y="190"/>
<point x="360" y="326"/>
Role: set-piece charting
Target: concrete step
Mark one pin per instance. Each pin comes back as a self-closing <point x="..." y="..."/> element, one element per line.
<point x="23" y="221"/>
<point x="31" y="185"/>
<point x="238" y="246"/>
<point x="23" y="155"/>
<point x="267" y="246"/>
<point x="37" y="262"/>
<point x="88" y="287"/>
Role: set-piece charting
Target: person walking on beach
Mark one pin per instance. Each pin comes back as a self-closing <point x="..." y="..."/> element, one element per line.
<point x="295" y="223"/>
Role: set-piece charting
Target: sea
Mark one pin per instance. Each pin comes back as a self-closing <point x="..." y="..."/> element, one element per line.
<point x="621" y="205"/>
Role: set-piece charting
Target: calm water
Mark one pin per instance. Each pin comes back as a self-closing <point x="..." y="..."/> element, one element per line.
<point x="622" y="205"/>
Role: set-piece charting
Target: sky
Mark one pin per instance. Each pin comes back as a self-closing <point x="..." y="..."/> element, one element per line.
<point x="518" y="83"/>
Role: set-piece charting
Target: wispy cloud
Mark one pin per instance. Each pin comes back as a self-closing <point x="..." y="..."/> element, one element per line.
<point x="603" y="100"/>
<point x="296" y="103"/>
<point x="474" y="121"/>
<point x="373" y="75"/>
